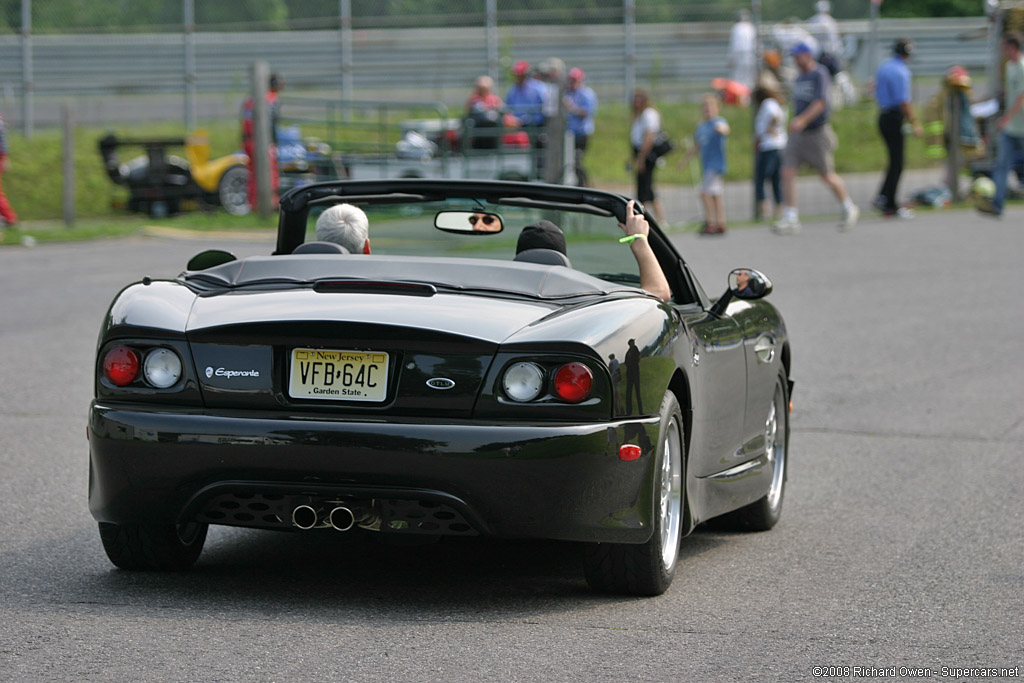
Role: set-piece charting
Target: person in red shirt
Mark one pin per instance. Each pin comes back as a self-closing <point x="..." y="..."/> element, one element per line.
<point x="6" y="212"/>
<point x="273" y="110"/>
<point x="484" y="110"/>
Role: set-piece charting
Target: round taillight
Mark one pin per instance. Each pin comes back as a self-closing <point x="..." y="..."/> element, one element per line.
<point x="162" y="368"/>
<point x="523" y="382"/>
<point x="573" y="382"/>
<point x="121" y="366"/>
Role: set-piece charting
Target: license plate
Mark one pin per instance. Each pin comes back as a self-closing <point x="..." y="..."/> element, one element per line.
<point x="334" y="375"/>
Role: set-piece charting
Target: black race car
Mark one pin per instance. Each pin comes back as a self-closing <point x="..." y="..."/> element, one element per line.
<point x="441" y="386"/>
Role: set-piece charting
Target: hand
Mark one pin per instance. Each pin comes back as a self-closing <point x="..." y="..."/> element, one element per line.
<point x="640" y="165"/>
<point x="1002" y="122"/>
<point x="635" y="223"/>
<point x="5" y="165"/>
<point x="918" y="130"/>
<point x="797" y="124"/>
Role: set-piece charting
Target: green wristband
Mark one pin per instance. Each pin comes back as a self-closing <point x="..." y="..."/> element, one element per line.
<point x="628" y="239"/>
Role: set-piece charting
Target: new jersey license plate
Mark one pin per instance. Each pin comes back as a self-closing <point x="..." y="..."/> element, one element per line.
<point x="335" y="375"/>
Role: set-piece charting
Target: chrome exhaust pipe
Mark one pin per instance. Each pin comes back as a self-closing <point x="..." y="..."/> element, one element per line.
<point x="341" y="518"/>
<point x="304" y="517"/>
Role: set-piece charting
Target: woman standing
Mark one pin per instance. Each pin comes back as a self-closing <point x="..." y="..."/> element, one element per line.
<point x="642" y="134"/>
<point x="770" y="134"/>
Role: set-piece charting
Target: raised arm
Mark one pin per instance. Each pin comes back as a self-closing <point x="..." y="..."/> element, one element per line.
<point x="652" y="277"/>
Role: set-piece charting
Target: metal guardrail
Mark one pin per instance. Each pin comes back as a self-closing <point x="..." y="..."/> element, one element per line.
<point x="424" y="64"/>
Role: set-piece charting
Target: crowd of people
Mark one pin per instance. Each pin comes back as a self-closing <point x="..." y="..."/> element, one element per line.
<point x="792" y="121"/>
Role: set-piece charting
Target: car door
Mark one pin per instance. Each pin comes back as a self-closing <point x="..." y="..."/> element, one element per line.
<point x="755" y="321"/>
<point x="718" y="372"/>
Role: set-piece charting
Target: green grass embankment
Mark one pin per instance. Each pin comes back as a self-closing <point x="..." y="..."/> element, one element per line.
<point x="34" y="183"/>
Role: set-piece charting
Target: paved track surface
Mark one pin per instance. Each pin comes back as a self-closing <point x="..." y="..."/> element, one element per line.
<point x="900" y="543"/>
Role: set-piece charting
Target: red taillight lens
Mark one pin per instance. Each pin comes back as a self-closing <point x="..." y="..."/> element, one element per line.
<point x="121" y="365"/>
<point x="573" y="382"/>
<point x="628" y="452"/>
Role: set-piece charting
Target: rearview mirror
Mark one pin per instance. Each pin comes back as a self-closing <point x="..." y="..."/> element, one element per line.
<point x="746" y="283"/>
<point x="468" y="221"/>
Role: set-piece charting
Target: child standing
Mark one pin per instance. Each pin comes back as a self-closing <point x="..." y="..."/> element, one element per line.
<point x="770" y="134"/>
<point x="710" y="138"/>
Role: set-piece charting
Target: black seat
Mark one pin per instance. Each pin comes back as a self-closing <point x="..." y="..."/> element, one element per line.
<point x="320" y="248"/>
<point x="545" y="257"/>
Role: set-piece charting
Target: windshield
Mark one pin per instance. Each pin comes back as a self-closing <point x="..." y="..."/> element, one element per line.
<point x="408" y="229"/>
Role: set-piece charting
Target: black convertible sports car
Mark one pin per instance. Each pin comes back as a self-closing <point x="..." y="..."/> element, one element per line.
<point x="441" y="386"/>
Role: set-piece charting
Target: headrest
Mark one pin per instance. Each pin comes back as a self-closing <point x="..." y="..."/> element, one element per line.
<point x="320" y="248"/>
<point x="545" y="257"/>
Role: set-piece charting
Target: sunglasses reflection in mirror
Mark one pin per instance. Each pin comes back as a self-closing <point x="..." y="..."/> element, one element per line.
<point x="485" y="222"/>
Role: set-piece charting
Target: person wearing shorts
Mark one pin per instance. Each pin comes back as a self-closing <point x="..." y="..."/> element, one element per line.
<point x="812" y="142"/>
<point x="710" y="141"/>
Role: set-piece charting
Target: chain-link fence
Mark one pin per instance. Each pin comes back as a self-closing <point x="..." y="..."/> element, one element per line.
<point x="189" y="60"/>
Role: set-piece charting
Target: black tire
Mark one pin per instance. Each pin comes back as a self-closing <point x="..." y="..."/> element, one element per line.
<point x="153" y="547"/>
<point x="233" y="190"/>
<point x="648" y="568"/>
<point x="764" y="513"/>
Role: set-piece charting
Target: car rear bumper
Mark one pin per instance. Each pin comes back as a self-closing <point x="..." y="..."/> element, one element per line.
<point x="516" y="480"/>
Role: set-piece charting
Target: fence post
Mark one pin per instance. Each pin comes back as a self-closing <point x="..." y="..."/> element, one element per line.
<point x="628" y="20"/>
<point x="873" y="40"/>
<point x="755" y="7"/>
<point x="26" y="68"/>
<point x="189" y="14"/>
<point x="261" y="138"/>
<point x="492" y="40"/>
<point x="345" y="25"/>
<point x="68" y="196"/>
<point x="953" y="135"/>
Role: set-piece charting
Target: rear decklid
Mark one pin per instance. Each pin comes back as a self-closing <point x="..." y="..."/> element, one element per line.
<point x="326" y="339"/>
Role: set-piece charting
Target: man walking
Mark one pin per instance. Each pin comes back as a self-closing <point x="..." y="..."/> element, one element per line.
<point x="892" y="91"/>
<point x="1011" y="123"/>
<point x="811" y="141"/>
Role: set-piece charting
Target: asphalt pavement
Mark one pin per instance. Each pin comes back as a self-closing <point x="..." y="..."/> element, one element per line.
<point x="900" y="543"/>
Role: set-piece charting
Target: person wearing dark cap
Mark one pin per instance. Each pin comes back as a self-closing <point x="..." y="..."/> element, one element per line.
<point x="811" y="141"/>
<point x="892" y="91"/>
<point x="541" y="235"/>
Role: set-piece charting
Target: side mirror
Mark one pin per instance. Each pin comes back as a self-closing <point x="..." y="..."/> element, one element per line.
<point x="744" y="283"/>
<point x="468" y="221"/>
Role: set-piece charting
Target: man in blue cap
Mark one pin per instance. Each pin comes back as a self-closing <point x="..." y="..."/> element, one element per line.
<point x="811" y="141"/>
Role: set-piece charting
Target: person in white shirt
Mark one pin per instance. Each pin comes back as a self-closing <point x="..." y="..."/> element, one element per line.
<point x="770" y="135"/>
<point x="642" y="134"/>
<point x="743" y="50"/>
<point x="826" y="31"/>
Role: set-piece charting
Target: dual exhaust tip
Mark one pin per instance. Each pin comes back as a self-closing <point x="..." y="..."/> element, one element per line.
<point x="339" y="518"/>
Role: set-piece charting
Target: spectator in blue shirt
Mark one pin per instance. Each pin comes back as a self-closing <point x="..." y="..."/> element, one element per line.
<point x="580" y="105"/>
<point x="892" y="91"/>
<point x="525" y="98"/>
<point x="710" y="138"/>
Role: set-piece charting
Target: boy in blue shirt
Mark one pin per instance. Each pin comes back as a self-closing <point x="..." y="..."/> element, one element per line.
<point x="710" y="138"/>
